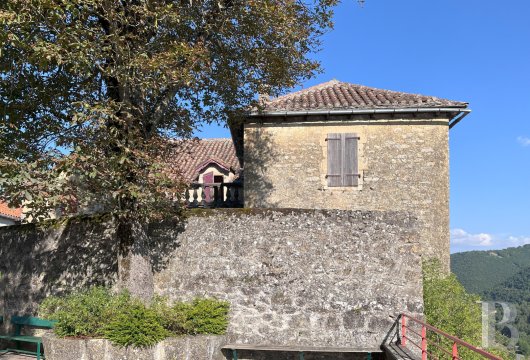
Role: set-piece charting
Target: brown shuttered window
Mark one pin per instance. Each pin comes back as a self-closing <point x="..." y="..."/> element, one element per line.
<point x="343" y="163"/>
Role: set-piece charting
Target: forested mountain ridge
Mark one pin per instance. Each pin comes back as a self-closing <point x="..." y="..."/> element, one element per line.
<point x="481" y="271"/>
<point x="515" y="289"/>
<point x="500" y="275"/>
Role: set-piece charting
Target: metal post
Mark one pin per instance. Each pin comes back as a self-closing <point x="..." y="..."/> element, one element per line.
<point x="423" y="343"/>
<point x="455" y="351"/>
<point x="301" y="355"/>
<point x="234" y="354"/>
<point x="403" y="330"/>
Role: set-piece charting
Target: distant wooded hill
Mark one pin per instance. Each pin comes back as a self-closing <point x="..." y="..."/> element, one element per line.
<point x="500" y="275"/>
<point x="514" y="289"/>
<point x="481" y="271"/>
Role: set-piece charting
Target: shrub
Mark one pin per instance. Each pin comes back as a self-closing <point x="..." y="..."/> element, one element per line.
<point x="448" y="305"/>
<point x="453" y="310"/>
<point x="201" y="316"/>
<point x="135" y="325"/>
<point x="82" y="313"/>
<point x="205" y="316"/>
<point x="97" y="312"/>
<point x="169" y="316"/>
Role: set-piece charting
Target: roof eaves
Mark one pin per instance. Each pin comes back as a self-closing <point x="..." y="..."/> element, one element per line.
<point x="449" y="109"/>
<point x="211" y="160"/>
<point x="10" y="217"/>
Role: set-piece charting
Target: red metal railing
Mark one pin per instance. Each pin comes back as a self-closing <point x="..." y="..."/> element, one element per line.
<point x="424" y="345"/>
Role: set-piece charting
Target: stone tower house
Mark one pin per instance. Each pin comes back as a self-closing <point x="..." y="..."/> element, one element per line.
<point x="344" y="146"/>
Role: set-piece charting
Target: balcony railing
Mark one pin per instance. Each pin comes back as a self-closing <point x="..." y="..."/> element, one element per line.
<point x="215" y="195"/>
<point x="415" y="332"/>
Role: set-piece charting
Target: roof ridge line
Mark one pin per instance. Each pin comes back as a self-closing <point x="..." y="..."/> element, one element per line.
<point x="335" y="94"/>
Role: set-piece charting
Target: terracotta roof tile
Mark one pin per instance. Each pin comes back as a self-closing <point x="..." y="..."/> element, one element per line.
<point x="190" y="154"/>
<point x="6" y="211"/>
<point x="336" y="95"/>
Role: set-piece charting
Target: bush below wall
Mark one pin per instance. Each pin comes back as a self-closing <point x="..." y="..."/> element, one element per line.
<point x="126" y="321"/>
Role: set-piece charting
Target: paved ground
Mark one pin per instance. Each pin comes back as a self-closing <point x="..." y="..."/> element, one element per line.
<point x="16" y="357"/>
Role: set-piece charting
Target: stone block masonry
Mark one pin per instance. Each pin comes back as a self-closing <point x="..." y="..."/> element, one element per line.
<point x="292" y="277"/>
<point x="403" y="165"/>
<point x="199" y="347"/>
<point x="37" y="261"/>
<point x="301" y="277"/>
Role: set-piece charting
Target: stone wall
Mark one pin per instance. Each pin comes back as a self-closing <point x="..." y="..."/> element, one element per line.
<point x="53" y="259"/>
<point x="316" y="278"/>
<point x="320" y="278"/>
<point x="182" y="348"/>
<point x="403" y="162"/>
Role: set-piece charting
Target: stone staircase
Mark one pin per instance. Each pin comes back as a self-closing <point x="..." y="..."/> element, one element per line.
<point x="396" y="352"/>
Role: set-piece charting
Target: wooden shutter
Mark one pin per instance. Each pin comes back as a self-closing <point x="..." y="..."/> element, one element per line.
<point x="350" y="165"/>
<point x="334" y="172"/>
<point x="207" y="190"/>
<point x="343" y="168"/>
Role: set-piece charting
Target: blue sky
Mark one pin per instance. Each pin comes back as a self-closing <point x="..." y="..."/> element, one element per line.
<point x="467" y="50"/>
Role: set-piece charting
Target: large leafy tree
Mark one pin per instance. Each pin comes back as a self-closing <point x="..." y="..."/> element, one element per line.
<point x="91" y="91"/>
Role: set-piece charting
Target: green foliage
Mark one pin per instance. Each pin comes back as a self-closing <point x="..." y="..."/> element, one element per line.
<point x="125" y="321"/>
<point x="500" y="275"/>
<point x="515" y="289"/>
<point x="170" y="316"/>
<point x="92" y="90"/>
<point x="524" y="345"/>
<point x="135" y="325"/>
<point x="205" y="316"/>
<point x="450" y="308"/>
<point x="83" y="313"/>
<point x="201" y="316"/>
<point x="481" y="271"/>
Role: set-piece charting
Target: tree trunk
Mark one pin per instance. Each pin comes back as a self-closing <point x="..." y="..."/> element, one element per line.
<point x="135" y="273"/>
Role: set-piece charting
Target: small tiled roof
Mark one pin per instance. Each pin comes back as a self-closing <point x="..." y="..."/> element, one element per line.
<point x="213" y="159"/>
<point x="337" y="95"/>
<point x="6" y="211"/>
<point x="191" y="154"/>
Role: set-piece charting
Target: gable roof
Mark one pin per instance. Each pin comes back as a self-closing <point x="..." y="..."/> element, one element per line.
<point x="213" y="160"/>
<point x="10" y="213"/>
<point x="337" y="95"/>
<point x="192" y="155"/>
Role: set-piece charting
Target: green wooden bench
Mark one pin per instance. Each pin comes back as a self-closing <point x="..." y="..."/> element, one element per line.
<point x="17" y="337"/>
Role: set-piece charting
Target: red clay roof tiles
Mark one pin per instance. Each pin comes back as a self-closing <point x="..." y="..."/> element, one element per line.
<point x="6" y="211"/>
<point x="336" y="95"/>
<point x="190" y="154"/>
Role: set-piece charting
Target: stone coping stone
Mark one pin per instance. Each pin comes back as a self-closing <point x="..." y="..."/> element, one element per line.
<point x="204" y="347"/>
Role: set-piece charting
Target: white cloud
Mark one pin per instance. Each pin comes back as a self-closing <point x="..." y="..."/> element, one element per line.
<point x="523" y="140"/>
<point x="519" y="240"/>
<point x="461" y="240"/>
<point x="460" y="236"/>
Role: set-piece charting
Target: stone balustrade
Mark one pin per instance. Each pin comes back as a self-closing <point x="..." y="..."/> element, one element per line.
<point x="214" y="195"/>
